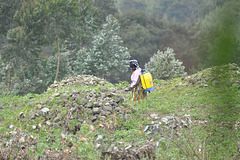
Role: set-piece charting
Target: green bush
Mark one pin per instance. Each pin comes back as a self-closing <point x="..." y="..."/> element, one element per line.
<point x="163" y="65"/>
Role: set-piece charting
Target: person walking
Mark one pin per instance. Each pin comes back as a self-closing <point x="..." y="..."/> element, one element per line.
<point x="136" y="87"/>
<point x="135" y="77"/>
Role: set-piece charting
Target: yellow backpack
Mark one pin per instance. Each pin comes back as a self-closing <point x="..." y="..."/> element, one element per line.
<point x="147" y="81"/>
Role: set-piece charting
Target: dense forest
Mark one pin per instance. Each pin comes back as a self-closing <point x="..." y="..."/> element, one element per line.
<point x="45" y="41"/>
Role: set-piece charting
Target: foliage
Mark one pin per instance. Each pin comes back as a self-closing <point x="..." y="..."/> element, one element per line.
<point x="37" y="25"/>
<point x="33" y="32"/>
<point x="50" y="66"/>
<point x="108" y="56"/>
<point x="163" y="65"/>
<point x="181" y="11"/>
<point x="219" y="36"/>
<point x="182" y="37"/>
<point x="183" y="25"/>
<point x="105" y="8"/>
<point x="143" y="35"/>
<point x="140" y="34"/>
<point x="63" y="17"/>
<point x="22" y="62"/>
<point x="3" y="78"/>
<point x="7" y="12"/>
<point x="212" y="131"/>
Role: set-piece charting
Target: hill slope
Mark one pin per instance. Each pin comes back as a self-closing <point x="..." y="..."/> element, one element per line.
<point x="85" y="117"/>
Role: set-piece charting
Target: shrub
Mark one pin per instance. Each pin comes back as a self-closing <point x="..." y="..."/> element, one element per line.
<point x="163" y="65"/>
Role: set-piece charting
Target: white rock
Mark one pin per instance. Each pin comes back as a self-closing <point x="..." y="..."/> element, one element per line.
<point x="45" y="110"/>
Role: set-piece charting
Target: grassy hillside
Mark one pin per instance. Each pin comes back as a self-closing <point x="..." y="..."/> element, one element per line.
<point x="84" y="117"/>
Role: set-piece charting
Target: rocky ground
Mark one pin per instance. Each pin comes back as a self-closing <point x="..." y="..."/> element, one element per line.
<point x="67" y="108"/>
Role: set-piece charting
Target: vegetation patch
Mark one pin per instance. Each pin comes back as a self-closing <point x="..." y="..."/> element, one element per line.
<point x="85" y="117"/>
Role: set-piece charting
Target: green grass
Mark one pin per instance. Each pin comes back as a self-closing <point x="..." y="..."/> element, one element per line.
<point x="217" y="106"/>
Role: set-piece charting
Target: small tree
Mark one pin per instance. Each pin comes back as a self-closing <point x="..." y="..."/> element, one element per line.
<point x="163" y="65"/>
<point x="108" y="57"/>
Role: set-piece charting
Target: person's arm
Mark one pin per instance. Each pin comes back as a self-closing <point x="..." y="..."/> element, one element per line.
<point x="134" y="85"/>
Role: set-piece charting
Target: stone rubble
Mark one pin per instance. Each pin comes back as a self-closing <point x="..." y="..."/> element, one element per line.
<point x="89" y="106"/>
<point x="211" y="77"/>
<point x="86" y="105"/>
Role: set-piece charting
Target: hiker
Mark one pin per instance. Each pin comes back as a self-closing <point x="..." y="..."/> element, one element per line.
<point x="135" y="77"/>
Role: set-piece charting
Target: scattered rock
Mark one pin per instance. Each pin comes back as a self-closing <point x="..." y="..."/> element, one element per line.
<point x="166" y="123"/>
<point x="45" y="110"/>
<point x="154" y="116"/>
<point x="99" y="138"/>
<point x="65" y="96"/>
<point x="93" y="118"/>
<point x="57" y="119"/>
<point x="39" y="106"/>
<point x="21" y="115"/>
<point x="96" y="110"/>
<point x="75" y="92"/>
<point x="11" y="126"/>
<point x="212" y="77"/>
<point x="89" y="105"/>
<point x="128" y="152"/>
<point x="48" y="123"/>
<point x="34" y="126"/>
<point x="107" y="108"/>
<point x="56" y="94"/>
<point x="59" y="103"/>
<point x="84" y="101"/>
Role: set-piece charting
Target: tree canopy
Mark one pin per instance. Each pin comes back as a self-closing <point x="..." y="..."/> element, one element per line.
<point x="43" y="41"/>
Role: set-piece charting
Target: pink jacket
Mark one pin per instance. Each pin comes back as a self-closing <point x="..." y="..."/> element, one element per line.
<point x="135" y="75"/>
